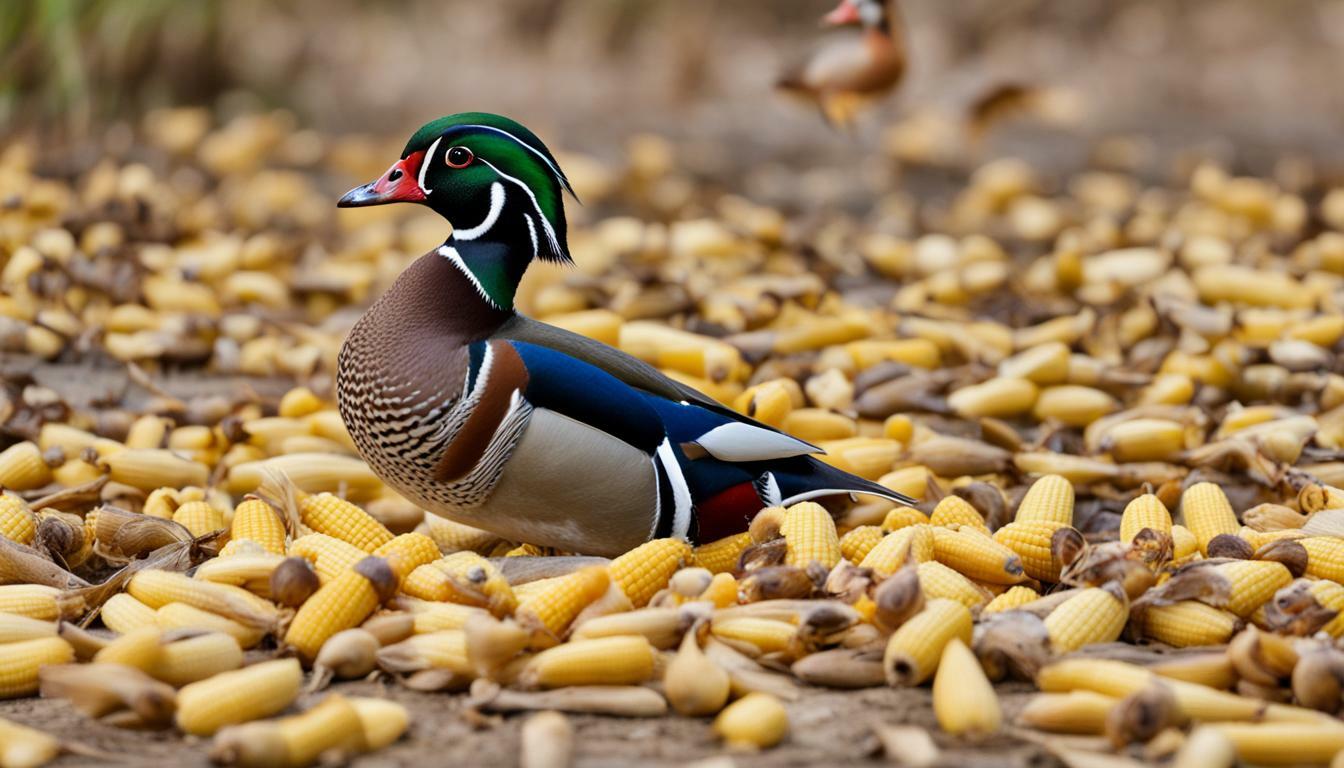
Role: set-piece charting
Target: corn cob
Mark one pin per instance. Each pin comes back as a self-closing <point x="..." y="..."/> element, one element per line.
<point x="17" y="521"/>
<point x="199" y="518"/>
<point x="550" y="610"/>
<point x="19" y="663"/>
<point x="963" y="699"/>
<point x="1325" y="557"/>
<point x="902" y="517"/>
<point x="330" y="727"/>
<point x="810" y="535"/>
<point x="341" y="603"/>
<point x="15" y="628"/>
<point x="247" y="694"/>
<point x="1146" y="511"/>
<point x="140" y="648"/>
<point x="1206" y="511"/>
<point x="329" y="555"/>
<point x="623" y="660"/>
<point x="252" y="572"/>
<point x="662" y="627"/>
<point x="446" y="649"/>
<point x="1189" y="623"/>
<point x="817" y="424"/>
<point x="976" y="555"/>
<point x="910" y="544"/>
<point x="22" y="467"/>
<point x="183" y="616"/>
<point x="436" y="617"/>
<point x="1284" y="743"/>
<point x="1011" y="598"/>
<point x="1094" y="615"/>
<point x="453" y="536"/>
<point x="1213" y="669"/>
<point x="913" y="650"/>
<point x="1049" y="499"/>
<point x="997" y="398"/>
<point x="196" y="658"/>
<point x="644" y="570"/>
<point x="858" y="542"/>
<point x="157" y="588"/>
<point x="463" y="577"/>
<point x="1254" y="582"/>
<point x="1077" y="712"/>
<point x="954" y="510"/>
<point x="1184" y="543"/>
<point x="123" y="613"/>
<point x="255" y="520"/>
<point x="760" y="635"/>
<point x="23" y="747"/>
<point x="148" y="469"/>
<point x="1073" y="405"/>
<point x="722" y="590"/>
<point x="382" y="721"/>
<point x="35" y="601"/>
<point x="755" y="721"/>
<point x="334" y="516"/>
<point x="406" y="552"/>
<point x="1032" y="541"/>
<point x="1144" y="440"/>
<point x="722" y="555"/>
<point x="1330" y="594"/>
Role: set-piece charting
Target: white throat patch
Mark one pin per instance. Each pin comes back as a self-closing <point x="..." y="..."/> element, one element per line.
<point x="496" y="207"/>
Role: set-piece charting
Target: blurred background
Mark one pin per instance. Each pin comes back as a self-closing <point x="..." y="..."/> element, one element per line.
<point x="587" y="74"/>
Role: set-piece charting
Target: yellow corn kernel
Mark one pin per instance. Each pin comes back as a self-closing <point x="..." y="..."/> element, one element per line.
<point x="898" y="427"/>
<point x="406" y="552"/>
<point x="1189" y="623"/>
<point x="761" y="634"/>
<point x="1325" y="557"/>
<point x="620" y="660"/>
<point x="1184" y="543"/>
<point x="36" y="601"/>
<point x="902" y="517"/>
<point x="1146" y="511"/>
<point x="994" y="398"/>
<point x="976" y="555"/>
<point x="1094" y="615"/>
<point x="452" y="536"/>
<point x="1074" y="405"/>
<point x="954" y="510"/>
<point x="910" y="544"/>
<point x="857" y="543"/>
<point x="123" y="613"/>
<point x="19" y="663"/>
<point x="937" y="580"/>
<point x="722" y="555"/>
<point x="1013" y="597"/>
<point x="199" y="518"/>
<point x="255" y="520"/>
<point x="913" y="650"/>
<point x="1206" y="511"/>
<point x="1032" y="542"/>
<point x="1050" y="499"/>
<point x="810" y="536"/>
<point x="550" y="609"/>
<point x="963" y="699"/>
<point x="157" y="588"/>
<point x="22" y="467"/>
<point x="329" y="555"/>
<point x="341" y="603"/>
<point x="17" y="521"/>
<point x="240" y="696"/>
<point x="151" y="468"/>
<point x="196" y="658"/>
<point x="299" y="402"/>
<point x="334" y="516"/>
<point x="755" y="721"/>
<point x="644" y="570"/>
<point x="1254" y="582"/>
<point x="183" y="616"/>
<point x="722" y="590"/>
<point x="23" y="747"/>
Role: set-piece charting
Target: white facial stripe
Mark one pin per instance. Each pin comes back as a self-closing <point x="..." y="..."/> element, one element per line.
<point x="532" y="230"/>
<point x="424" y="164"/>
<point x="524" y="145"/>
<point x="496" y="206"/>
<point x="545" y="223"/>
<point x="450" y="253"/>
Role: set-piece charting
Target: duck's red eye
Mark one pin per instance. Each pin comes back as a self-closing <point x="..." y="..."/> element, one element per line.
<point x="459" y="157"/>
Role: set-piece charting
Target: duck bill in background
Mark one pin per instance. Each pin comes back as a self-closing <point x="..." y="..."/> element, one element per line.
<point x="401" y="184"/>
<point x="844" y="14"/>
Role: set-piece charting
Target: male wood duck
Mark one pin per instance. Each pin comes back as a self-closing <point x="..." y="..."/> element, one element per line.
<point x="484" y="416"/>
<point x="845" y="74"/>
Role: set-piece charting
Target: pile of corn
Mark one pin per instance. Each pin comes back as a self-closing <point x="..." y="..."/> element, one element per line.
<point x="1116" y="404"/>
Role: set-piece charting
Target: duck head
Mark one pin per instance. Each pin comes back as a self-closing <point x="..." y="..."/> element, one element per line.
<point x="871" y="14"/>
<point x="495" y="182"/>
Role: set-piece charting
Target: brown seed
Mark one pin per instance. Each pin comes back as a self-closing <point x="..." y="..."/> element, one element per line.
<point x="1291" y="553"/>
<point x="1142" y="715"/>
<point x="1318" y="680"/>
<point x="776" y="582"/>
<point x="1230" y="545"/>
<point x="293" y="581"/>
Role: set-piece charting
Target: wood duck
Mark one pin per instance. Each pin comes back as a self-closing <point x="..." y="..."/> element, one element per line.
<point x="485" y="416"/>
<point x="845" y="74"/>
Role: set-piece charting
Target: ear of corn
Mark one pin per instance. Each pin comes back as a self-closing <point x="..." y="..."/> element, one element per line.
<point x="406" y="552"/>
<point x="1146" y="511"/>
<point x="937" y="580"/>
<point x="452" y="536"/>
<point x="858" y="542"/>
<point x="196" y="658"/>
<point x="1325" y="557"/>
<point x="157" y="588"/>
<point x="17" y="521"/>
<point x="644" y="570"/>
<point x="1031" y="540"/>
<point x="810" y="535"/>
<point x="761" y="635"/>
<point x="383" y="721"/>
<point x="622" y="660"/>
<point x="1077" y="712"/>
<point x="901" y="517"/>
<point x="1253" y="582"/>
<point x="1184" y="543"/>
<point x="334" y="516"/>
<point x="975" y="554"/>
<point x="963" y="699"/>
<point x="1094" y="615"/>
<point x="255" y="520"/>
<point x="123" y="613"/>
<point x="1049" y="499"/>
<point x="183" y="616"/>
<point x="1207" y="513"/>
<point x="15" y="628"/>
<point x="140" y="648"/>
<point x="22" y="467"/>
<point x="756" y="721"/>
<point x="329" y="555"/>
<point x="1189" y="623"/>
<point x="1011" y="598"/>
<point x="341" y="603"/>
<point x="445" y="649"/>
<point x="241" y="696"/>
<point x="551" y="609"/>
<point x="954" y="510"/>
<point x="20" y="661"/>
<point x="721" y="556"/>
<point x="913" y="650"/>
<point x="910" y="544"/>
<point x="32" y="600"/>
<point x="199" y="517"/>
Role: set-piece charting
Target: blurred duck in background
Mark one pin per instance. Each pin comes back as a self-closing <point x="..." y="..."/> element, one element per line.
<point x="847" y="73"/>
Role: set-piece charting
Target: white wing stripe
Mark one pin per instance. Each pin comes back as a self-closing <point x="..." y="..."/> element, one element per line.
<point x="736" y="441"/>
